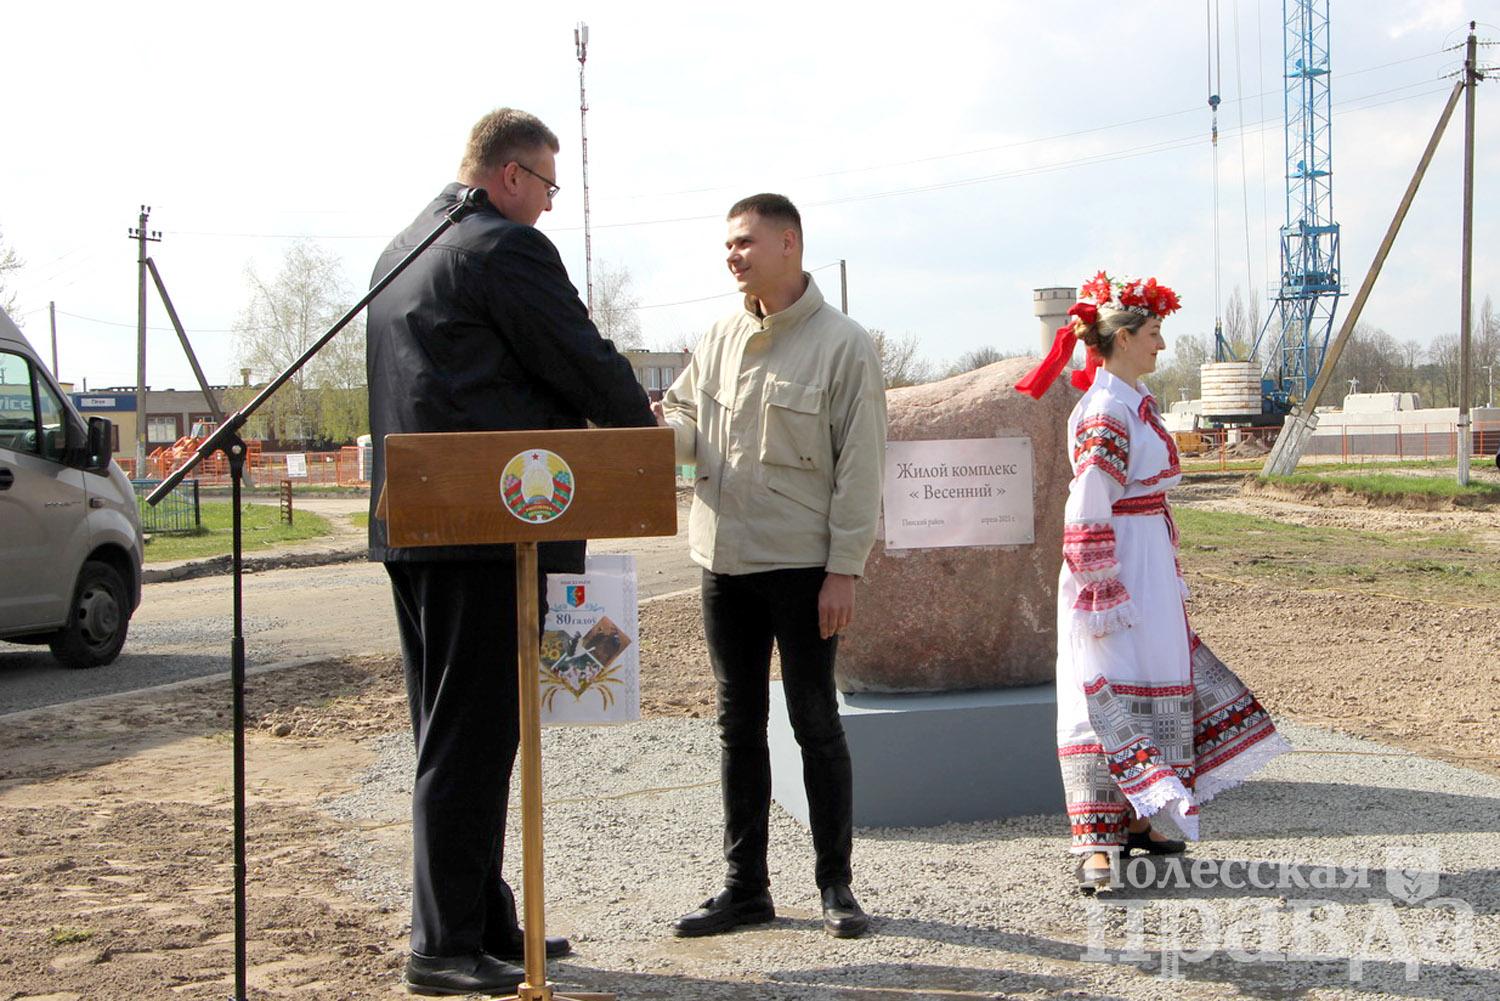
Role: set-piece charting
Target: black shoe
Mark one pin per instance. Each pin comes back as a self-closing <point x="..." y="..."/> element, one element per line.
<point x="514" y="948"/>
<point x="723" y="912"/>
<point x="479" y="973"/>
<point x="1141" y="841"/>
<point x="842" y="915"/>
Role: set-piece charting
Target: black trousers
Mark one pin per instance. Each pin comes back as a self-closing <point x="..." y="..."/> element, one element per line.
<point x="742" y="615"/>
<point x="457" y="622"/>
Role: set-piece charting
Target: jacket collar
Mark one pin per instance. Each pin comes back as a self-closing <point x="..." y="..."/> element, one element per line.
<point x="810" y="302"/>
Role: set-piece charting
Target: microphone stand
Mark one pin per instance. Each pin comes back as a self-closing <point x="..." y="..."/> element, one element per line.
<point x="227" y="440"/>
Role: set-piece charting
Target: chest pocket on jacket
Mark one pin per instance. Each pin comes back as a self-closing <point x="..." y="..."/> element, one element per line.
<point x="793" y="433"/>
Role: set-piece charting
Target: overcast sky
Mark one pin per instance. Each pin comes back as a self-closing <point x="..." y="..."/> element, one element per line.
<point x="956" y="155"/>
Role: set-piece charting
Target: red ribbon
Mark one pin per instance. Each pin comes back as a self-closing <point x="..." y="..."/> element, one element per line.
<point x="1038" y="380"/>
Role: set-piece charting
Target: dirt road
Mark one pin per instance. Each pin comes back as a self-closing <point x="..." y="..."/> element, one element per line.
<point x="182" y="628"/>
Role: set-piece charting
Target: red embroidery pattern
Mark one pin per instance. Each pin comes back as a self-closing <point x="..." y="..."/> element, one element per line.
<point x="1144" y="504"/>
<point x="1147" y="504"/>
<point x="1227" y="730"/>
<point x="1104" y="442"/>
<point x="1101" y="596"/>
<point x="1089" y="547"/>
<point x="1151" y="415"/>
<point x="1152" y="691"/>
<point x="1097" y="825"/>
<point x="1137" y="766"/>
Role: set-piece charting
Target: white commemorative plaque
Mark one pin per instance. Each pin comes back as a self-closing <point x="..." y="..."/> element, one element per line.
<point x="960" y="492"/>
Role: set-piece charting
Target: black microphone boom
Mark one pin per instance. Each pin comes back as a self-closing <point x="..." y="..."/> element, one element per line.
<point x="227" y="440"/>
<point x="471" y="199"/>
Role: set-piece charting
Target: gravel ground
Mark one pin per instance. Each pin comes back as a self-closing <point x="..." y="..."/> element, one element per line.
<point x="113" y="836"/>
<point x="987" y="909"/>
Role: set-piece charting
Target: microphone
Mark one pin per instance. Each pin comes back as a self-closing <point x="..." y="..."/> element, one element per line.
<point x="469" y="200"/>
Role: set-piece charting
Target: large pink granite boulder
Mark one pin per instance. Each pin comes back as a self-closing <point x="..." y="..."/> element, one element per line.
<point x="938" y="620"/>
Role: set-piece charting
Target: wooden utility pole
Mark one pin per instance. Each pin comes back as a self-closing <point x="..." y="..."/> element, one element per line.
<point x="1285" y="454"/>
<point x="142" y="237"/>
<point x="1465" y="311"/>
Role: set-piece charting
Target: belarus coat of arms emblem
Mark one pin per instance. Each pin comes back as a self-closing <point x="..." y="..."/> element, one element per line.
<point x="536" y="486"/>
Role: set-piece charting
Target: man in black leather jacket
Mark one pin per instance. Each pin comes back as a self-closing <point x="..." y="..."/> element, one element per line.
<point x="483" y="332"/>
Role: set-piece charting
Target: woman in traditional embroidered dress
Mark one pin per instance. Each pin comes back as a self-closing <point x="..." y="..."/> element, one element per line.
<point x="1148" y="719"/>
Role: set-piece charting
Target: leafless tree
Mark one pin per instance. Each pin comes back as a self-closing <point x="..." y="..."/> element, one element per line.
<point x="1241" y="324"/>
<point x="10" y="262"/>
<point x="977" y="358"/>
<point x="1444" y="355"/>
<point x="1179" y="377"/>
<point x="616" y="308"/>
<point x="682" y="340"/>
<point x="900" y="364"/>
<point x="283" y="317"/>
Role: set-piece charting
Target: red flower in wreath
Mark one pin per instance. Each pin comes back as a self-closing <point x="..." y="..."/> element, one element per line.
<point x="1160" y="299"/>
<point x="1099" y="288"/>
<point x="1137" y="294"/>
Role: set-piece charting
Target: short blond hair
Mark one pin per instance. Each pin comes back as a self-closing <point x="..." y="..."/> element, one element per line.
<point x="499" y="137"/>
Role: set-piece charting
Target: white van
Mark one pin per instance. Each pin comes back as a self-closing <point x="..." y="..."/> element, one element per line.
<point x="70" y="531"/>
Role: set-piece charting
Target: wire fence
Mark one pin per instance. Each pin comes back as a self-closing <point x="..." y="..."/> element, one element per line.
<point x="349" y="466"/>
<point x="179" y="511"/>
<point x="344" y="467"/>
<point x="1201" y="450"/>
<point x="1222" y="448"/>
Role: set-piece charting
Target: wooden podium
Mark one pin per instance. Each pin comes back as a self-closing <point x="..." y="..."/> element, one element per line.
<point x="525" y="487"/>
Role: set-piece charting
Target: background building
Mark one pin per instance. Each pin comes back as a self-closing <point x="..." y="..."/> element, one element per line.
<point x="656" y="370"/>
<point x="170" y="413"/>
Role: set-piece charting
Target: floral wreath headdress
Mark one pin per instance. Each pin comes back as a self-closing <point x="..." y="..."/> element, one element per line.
<point x="1144" y="297"/>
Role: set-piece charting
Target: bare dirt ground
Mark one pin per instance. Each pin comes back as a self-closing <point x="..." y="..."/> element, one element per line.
<point x="114" y="853"/>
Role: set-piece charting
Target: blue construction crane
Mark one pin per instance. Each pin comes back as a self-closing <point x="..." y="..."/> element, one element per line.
<point x="1301" y="318"/>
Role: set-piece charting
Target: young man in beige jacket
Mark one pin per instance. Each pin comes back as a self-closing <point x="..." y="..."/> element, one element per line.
<point x="782" y="410"/>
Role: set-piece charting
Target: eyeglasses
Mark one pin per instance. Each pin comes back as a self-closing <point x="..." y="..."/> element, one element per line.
<point x="552" y="188"/>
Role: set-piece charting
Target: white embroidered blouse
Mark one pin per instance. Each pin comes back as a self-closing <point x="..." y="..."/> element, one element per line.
<point x="1123" y="463"/>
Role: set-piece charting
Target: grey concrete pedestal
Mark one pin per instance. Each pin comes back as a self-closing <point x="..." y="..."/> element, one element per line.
<point x="924" y="760"/>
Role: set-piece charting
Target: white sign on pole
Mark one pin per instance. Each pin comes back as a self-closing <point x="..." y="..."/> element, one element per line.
<point x="591" y="664"/>
<point x="964" y="492"/>
<point x="296" y="465"/>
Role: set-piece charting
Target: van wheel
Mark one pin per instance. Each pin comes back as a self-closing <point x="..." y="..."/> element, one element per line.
<point x="95" y="631"/>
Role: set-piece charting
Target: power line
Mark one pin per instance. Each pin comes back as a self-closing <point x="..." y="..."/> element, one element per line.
<point x="197" y="330"/>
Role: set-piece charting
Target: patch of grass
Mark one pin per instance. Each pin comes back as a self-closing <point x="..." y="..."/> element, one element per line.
<point x="1209" y="463"/>
<point x="1451" y="567"/>
<point x="269" y="487"/>
<point x="1312" y="464"/>
<point x="360" y="519"/>
<point x="262" y="527"/>
<point x="1389" y="486"/>
<point x="68" y="935"/>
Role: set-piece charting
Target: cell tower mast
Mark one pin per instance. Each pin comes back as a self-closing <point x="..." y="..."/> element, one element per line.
<point x="581" y="44"/>
<point x="1301" y="318"/>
